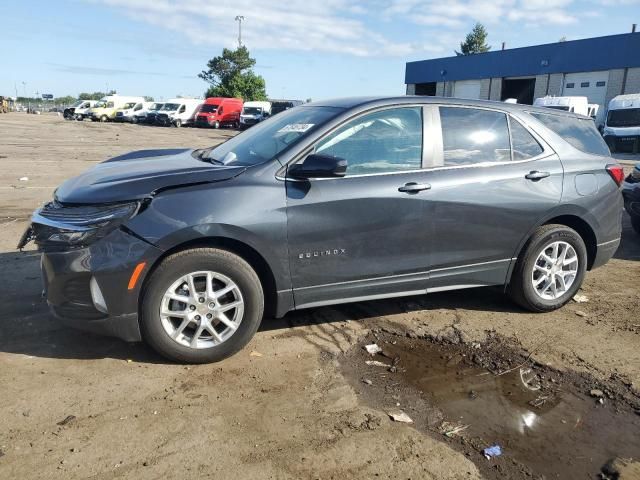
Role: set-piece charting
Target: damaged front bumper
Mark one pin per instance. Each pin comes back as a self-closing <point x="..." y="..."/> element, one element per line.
<point x="89" y="286"/>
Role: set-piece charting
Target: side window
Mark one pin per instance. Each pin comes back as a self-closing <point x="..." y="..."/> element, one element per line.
<point x="580" y="133"/>
<point x="182" y="109"/>
<point x="471" y="135"/>
<point x="220" y="111"/>
<point x="138" y="107"/>
<point x="523" y="144"/>
<point x="380" y="142"/>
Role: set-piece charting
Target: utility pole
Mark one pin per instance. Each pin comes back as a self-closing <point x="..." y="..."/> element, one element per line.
<point x="239" y="19"/>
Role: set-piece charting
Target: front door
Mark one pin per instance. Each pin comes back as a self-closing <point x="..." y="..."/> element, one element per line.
<point x="495" y="182"/>
<point x="364" y="235"/>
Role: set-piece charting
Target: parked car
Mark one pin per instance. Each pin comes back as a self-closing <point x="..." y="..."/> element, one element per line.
<point x="631" y="195"/>
<point x="328" y="203"/>
<point x="220" y="111"/>
<point x="178" y="112"/>
<point x="105" y="110"/>
<point x="148" y="113"/>
<point x="78" y="110"/>
<point x="278" y="106"/>
<point x="622" y="125"/>
<point x="253" y="113"/>
<point x="130" y="110"/>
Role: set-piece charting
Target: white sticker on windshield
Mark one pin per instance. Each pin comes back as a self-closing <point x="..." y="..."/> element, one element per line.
<point x="296" y="127"/>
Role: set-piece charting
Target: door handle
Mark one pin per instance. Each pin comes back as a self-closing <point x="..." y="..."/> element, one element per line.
<point x="536" y="175"/>
<point x="413" y="187"/>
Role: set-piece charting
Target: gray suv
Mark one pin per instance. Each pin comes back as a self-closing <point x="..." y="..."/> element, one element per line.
<point x="326" y="203"/>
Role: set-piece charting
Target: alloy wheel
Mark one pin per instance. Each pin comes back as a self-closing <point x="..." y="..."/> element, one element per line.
<point x="554" y="270"/>
<point x="202" y="309"/>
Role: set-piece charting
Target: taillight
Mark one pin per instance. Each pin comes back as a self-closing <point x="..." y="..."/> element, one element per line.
<point x="617" y="173"/>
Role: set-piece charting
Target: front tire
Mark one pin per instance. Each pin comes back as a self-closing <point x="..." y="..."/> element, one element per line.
<point x="104" y="118"/>
<point x="177" y="123"/>
<point x="216" y="124"/>
<point x="550" y="270"/>
<point x="201" y="305"/>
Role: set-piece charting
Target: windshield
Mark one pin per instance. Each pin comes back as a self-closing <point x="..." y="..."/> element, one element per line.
<point x="558" y="107"/>
<point x="252" y="111"/>
<point x="101" y="104"/>
<point x="128" y="105"/>
<point x="78" y="103"/>
<point x="629" y="117"/>
<point x="208" y="108"/>
<point x="271" y="137"/>
<point x="156" y="106"/>
<point x="170" y="107"/>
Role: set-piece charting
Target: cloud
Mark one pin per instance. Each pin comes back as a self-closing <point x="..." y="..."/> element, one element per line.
<point x="336" y="26"/>
<point x="89" y="70"/>
<point x="455" y="13"/>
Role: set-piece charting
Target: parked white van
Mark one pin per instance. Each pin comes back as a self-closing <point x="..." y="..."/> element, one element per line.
<point x="178" y="111"/>
<point x="622" y="124"/>
<point x="147" y="112"/>
<point x="254" y="112"/>
<point x="78" y="110"/>
<point x="107" y="107"/>
<point x="130" y="110"/>
<point x="568" y="104"/>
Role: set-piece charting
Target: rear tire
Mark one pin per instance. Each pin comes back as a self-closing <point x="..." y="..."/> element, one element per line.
<point x="533" y="273"/>
<point x="157" y="329"/>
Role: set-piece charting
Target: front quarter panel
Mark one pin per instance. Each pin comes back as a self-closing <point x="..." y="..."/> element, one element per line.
<point x="250" y="208"/>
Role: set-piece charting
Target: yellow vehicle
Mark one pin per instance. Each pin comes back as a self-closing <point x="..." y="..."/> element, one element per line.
<point x="105" y="110"/>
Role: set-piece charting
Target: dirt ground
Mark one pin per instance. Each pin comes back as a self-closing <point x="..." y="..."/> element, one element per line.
<point x="293" y="403"/>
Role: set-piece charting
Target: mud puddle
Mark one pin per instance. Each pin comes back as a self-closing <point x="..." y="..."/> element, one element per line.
<point x="547" y="425"/>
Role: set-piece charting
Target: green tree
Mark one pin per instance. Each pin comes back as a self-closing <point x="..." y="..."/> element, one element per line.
<point x="231" y="75"/>
<point x="95" y="95"/>
<point x="147" y="98"/>
<point x="475" y="42"/>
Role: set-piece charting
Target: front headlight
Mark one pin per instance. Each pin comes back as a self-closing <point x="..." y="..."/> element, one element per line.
<point x="60" y="225"/>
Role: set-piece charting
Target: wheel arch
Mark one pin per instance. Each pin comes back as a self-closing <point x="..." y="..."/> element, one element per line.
<point x="569" y="218"/>
<point x="243" y="250"/>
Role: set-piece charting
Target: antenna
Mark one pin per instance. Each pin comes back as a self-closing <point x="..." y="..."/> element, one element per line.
<point x="239" y="19"/>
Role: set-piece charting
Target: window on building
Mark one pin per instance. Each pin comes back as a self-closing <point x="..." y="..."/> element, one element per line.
<point x="600" y="84"/>
<point x="570" y="85"/>
<point x="472" y="135"/>
<point x="584" y="84"/>
<point x="523" y="144"/>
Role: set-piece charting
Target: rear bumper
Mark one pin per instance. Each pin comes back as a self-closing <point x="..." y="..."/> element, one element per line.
<point x="604" y="252"/>
<point x="87" y="288"/>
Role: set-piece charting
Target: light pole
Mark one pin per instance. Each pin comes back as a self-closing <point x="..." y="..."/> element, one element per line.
<point x="24" y="90"/>
<point x="239" y="19"/>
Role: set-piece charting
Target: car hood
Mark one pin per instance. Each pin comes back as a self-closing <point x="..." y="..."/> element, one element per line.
<point x="141" y="174"/>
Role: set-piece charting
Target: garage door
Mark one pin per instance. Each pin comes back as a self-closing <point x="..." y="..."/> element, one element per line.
<point x="467" y="89"/>
<point x="592" y="85"/>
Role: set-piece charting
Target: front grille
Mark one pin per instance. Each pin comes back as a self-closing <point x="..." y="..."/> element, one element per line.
<point x="202" y="121"/>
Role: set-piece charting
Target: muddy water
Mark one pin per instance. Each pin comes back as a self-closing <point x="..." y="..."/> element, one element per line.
<point x="555" y="431"/>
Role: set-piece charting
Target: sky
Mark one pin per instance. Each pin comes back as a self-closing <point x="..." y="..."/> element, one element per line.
<point x="303" y="48"/>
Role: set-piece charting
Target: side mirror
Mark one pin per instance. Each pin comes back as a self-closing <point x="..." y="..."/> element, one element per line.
<point x="319" y="166"/>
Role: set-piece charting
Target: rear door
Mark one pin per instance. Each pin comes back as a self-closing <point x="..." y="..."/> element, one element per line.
<point x="365" y="235"/>
<point x="491" y="183"/>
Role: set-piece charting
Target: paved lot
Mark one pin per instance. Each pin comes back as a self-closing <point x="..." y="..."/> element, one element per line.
<point x="281" y="408"/>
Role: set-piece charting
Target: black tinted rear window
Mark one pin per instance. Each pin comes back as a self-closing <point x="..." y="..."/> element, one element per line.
<point x="580" y="133"/>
